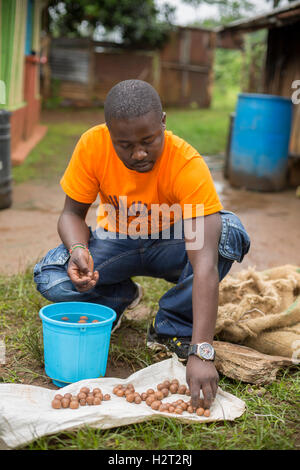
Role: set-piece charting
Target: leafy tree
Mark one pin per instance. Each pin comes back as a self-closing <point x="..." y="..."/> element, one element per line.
<point x="229" y="10"/>
<point x="137" y="21"/>
<point x="277" y="3"/>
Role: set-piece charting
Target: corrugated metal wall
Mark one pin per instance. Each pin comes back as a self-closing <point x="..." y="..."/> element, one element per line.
<point x="181" y="72"/>
<point x="70" y="63"/>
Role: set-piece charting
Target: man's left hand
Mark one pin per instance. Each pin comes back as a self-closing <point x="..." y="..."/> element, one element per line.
<point x="202" y="375"/>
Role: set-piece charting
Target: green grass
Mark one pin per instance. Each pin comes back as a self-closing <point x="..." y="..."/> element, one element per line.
<point x="205" y="129"/>
<point x="271" y="419"/>
<point x="48" y="160"/>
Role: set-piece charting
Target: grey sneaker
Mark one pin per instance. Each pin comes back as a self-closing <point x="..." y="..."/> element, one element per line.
<point x="133" y="304"/>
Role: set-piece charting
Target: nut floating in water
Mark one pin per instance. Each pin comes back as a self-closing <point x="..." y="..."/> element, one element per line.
<point x="95" y="321"/>
<point x="81" y="321"/>
<point x="83" y="317"/>
<point x="65" y="318"/>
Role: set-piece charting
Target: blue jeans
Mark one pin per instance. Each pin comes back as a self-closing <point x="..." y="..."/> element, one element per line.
<point x="117" y="260"/>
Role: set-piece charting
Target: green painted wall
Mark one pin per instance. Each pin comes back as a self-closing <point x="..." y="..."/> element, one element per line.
<point x="12" y="37"/>
<point x="8" y="14"/>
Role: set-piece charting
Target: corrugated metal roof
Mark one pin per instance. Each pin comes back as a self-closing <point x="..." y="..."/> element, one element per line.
<point x="274" y="18"/>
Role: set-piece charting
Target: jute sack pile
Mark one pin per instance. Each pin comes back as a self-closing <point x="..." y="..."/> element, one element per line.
<point x="261" y="310"/>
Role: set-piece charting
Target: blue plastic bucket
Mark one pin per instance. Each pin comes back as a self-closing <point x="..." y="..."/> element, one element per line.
<point x="260" y="142"/>
<point x="76" y="351"/>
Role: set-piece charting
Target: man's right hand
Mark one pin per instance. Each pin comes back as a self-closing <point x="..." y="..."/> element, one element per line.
<point x="81" y="270"/>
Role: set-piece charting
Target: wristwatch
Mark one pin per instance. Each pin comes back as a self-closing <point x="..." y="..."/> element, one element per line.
<point x="204" y="351"/>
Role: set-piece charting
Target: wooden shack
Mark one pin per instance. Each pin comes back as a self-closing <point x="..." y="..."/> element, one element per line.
<point x="181" y="71"/>
<point x="282" y="64"/>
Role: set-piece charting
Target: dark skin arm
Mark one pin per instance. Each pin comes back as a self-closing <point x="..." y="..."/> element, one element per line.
<point x="73" y="229"/>
<point x="203" y="374"/>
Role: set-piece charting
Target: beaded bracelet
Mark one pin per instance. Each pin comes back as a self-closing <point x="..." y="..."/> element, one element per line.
<point x="78" y="245"/>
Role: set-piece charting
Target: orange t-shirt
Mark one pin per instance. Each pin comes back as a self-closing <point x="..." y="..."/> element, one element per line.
<point x="179" y="184"/>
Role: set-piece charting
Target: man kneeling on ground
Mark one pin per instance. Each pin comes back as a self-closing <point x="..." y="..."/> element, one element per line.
<point x="159" y="216"/>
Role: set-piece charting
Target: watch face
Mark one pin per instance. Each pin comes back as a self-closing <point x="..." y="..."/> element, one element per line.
<point x="206" y="351"/>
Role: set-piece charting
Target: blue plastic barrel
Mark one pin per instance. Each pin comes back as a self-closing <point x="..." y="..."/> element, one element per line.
<point x="76" y="351"/>
<point x="260" y="142"/>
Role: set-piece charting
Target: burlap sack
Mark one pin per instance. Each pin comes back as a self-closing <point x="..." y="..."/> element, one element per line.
<point x="261" y="310"/>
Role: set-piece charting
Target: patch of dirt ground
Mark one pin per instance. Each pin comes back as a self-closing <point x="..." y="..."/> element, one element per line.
<point x="29" y="228"/>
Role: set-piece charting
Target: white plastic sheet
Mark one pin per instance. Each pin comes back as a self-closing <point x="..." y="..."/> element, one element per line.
<point x="26" y="412"/>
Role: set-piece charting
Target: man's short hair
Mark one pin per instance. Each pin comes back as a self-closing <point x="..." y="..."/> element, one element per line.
<point x="130" y="99"/>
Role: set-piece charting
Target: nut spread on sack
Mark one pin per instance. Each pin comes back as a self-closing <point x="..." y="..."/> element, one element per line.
<point x="151" y="397"/>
